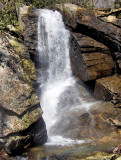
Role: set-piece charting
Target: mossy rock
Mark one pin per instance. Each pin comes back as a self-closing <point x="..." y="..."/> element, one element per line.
<point x="19" y="47"/>
<point x="17" y="144"/>
<point x="28" y="65"/>
<point x="22" y="10"/>
<point x="29" y="69"/>
<point x="31" y="117"/>
<point x="33" y="100"/>
<point x="100" y="156"/>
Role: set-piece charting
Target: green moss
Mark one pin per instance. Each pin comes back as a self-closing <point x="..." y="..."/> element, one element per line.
<point x="119" y="16"/>
<point x="100" y="156"/>
<point x="17" y="46"/>
<point x="29" y="69"/>
<point x="40" y="3"/>
<point x="33" y="100"/>
<point x="8" y="14"/>
<point x="31" y="117"/>
<point x="28" y="65"/>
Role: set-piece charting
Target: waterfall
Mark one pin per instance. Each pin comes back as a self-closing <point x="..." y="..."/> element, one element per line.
<point x="59" y="93"/>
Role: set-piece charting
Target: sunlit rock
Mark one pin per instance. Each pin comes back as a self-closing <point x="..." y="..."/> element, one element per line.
<point x="106" y="88"/>
<point x="90" y="59"/>
<point x="100" y="155"/>
<point x="19" y="105"/>
<point x="111" y="18"/>
<point x="87" y="22"/>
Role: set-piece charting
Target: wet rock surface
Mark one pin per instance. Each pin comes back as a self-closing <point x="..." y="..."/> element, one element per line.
<point x="91" y="124"/>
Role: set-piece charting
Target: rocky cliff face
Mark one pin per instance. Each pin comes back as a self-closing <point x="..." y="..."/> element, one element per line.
<point x="21" y="122"/>
<point x="90" y="59"/>
<point x="96" y="48"/>
<point x="90" y="23"/>
<point x="95" y="57"/>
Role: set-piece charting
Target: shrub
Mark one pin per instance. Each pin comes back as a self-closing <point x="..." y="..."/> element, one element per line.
<point x="8" y="14"/>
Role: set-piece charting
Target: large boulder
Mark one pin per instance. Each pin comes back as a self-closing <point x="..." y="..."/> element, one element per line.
<point x="19" y="106"/>
<point x="89" y="23"/>
<point x="35" y="135"/>
<point x="90" y="59"/>
<point x="108" y="88"/>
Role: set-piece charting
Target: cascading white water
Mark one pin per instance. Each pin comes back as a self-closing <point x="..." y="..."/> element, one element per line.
<point x="57" y="85"/>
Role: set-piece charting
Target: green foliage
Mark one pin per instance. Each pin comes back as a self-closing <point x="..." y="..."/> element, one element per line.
<point x="8" y="14"/>
<point x="42" y="3"/>
<point x="119" y="16"/>
<point x="51" y="3"/>
<point x="39" y="3"/>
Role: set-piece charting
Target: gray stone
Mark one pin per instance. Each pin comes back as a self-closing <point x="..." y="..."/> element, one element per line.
<point x="19" y="106"/>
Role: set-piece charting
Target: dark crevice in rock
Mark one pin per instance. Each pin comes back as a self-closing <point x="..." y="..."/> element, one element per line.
<point x="103" y="20"/>
<point x="16" y="34"/>
<point x="19" y="142"/>
<point x="89" y="60"/>
<point x="33" y="57"/>
<point x="37" y="129"/>
<point x="116" y="25"/>
<point x="29" y="109"/>
<point x="91" y="85"/>
<point x="118" y="68"/>
<point x="95" y="65"/>
<point x="8" y="112"/>
<point x="24" y="97"/>
<point x="91" y="49"/>
<point x="12" y="113"/>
